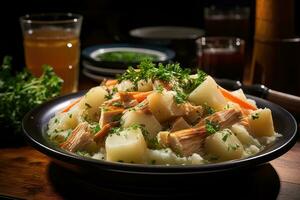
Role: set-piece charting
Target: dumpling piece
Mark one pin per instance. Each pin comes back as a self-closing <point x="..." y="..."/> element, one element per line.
<point x="126" y="146"/>
<point x="209" y="94"/>
<point x="261" y="123"/>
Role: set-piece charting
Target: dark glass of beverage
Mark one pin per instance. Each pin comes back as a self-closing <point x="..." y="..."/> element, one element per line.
<point x="222" y="57"/>
<point x="233" y="21"/>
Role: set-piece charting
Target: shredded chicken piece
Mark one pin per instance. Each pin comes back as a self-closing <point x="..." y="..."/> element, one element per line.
<point x="79" y="138"/>
<point x="128" y="99"/>
<point x="224" y="118"/>
<point x="189" y="141"/>
<point x="192" y="113"/>
<point x="144" y="107"/>
<point x="109" y="115"/>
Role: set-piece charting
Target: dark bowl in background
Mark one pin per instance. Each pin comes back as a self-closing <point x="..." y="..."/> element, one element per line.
<point x="87" y="54"/>
<point x="180" y="39"/>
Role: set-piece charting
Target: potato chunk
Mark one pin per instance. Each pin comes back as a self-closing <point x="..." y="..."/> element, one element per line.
<point x="125" y="86"/>
<point x="92" y="100"/>
<point x="126" y="146"/>
<point x="224" y="145"/>
<point x="163" y="107"/>
<point x="138" y="117"/>
<point x="145" y="86"/>
<point x="65" y="120"/>
<point x="243" y="135"/>
<point x="208" y="93"/>
<point x="261" y="123"/>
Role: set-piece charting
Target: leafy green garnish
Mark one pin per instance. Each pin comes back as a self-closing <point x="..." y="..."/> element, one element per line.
<point x="178" y="78"/>
<point x="159" y="88"/>
<point x="211" y="127"/>
<point x="83" y="153"/>
<point x="208" y="110"/>
<point x="117" y="104"/>
<point x="126" y="56"/>
<point x="233" y="147"/>
<point x="193" y="83"/>
<point x="255" y="116"/>
<point x="22" y="91"/>
<point x="96" y="128"/>
<point x="225" y="135"/>
<point x="180" y="97"/>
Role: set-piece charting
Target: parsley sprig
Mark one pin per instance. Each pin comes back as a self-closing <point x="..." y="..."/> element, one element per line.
<point x="22" y="91"/>
<point x="178" y="77"/>
<point x="211" y="127"/>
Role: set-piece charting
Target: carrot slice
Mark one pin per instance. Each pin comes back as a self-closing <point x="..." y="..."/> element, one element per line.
<point x="66" y="109"/>
<point x="100" y="135"/>
<point x="141" y="96"/>
<point x="237" y="100"/>
<point x="111" y="82"/>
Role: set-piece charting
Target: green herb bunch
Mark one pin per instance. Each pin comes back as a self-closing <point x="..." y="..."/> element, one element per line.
<point x="178" y="77"/>
<point x="21" y="92"/>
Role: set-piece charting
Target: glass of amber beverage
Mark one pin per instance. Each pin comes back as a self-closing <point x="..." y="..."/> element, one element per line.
<point x="53" y="39"/>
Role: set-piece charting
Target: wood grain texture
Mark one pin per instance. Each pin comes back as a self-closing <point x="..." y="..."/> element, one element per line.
<point x="24" y="173"/>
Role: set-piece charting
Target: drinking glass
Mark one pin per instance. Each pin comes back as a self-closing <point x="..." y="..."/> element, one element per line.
<point x="230" y="21"/>
<point x="53" y="39"/>
<point x="221" y="57"/>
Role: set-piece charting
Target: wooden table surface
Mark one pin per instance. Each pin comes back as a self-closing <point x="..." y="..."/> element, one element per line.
<point x="26" y="173"/>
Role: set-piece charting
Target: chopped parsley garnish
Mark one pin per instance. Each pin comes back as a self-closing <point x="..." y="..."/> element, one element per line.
<point x="208" y="110"/>
<point x="83" y="153"/>
<point x="96" y="129"/>
<point x="110" y="93"/>
<point x="180" y="97"/>
<point x="192" y="83"/>
<point x="254" y="116"/>
<point x="70" y="115"/>
<point x="117" y="104"/>
<point x="151" y="141"/>
<point x="108" y="96"/>
<point x="225" y="135"/>
<point x="115" y="130"/>
<point x="87" y="105"/>
<point x="69" y="133"/>
<point x="136" y="126"/>
<point x="56" y="120"/>
<point x="159" y="88"/>
<point x="179" y="78"/>
<point x="233" y="147"/>
<point x="114" y="90"/>
<point x="211" y="127"/>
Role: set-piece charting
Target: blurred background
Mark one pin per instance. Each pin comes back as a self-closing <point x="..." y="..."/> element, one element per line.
<point x="109" y="21"/>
